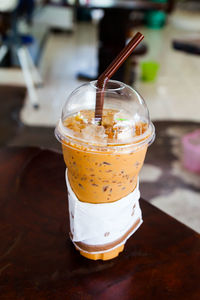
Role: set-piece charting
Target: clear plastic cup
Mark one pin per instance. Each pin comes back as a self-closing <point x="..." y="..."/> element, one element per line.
<point x="103" y="169"/>
<point x="104" y="161"/>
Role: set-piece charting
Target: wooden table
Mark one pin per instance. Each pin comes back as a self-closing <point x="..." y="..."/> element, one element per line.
<point x="38" y="261"/>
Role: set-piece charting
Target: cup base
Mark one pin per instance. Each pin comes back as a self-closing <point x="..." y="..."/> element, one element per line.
<point x="103" y="256"/>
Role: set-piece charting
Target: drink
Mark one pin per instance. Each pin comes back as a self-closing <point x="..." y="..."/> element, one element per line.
<point x="104" y="161"/>
<point x="104" y="175"/>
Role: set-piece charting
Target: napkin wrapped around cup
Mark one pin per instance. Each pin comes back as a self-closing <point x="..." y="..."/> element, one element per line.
<point x="99" y="224"/>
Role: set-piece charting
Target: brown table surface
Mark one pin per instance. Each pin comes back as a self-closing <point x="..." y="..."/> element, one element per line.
<point x="38" y="261"/>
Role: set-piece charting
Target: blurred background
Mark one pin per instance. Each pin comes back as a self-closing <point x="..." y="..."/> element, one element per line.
<point x="48" y="48"/>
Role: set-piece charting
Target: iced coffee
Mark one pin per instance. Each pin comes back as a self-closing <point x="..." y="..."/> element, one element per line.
<point x="103" y="162"/>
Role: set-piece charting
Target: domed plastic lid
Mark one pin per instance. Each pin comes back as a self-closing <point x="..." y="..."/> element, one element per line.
<point x="125" y="119"/>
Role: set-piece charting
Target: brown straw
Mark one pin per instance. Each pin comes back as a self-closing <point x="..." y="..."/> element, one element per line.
<point x="108" y="73"/>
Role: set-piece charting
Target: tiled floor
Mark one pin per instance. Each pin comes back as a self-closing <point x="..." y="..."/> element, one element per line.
<point x="12" y="77"/>
<point x="182" y="204"/>
<point x="175" y="189"/>
<point x="64" y="56"/>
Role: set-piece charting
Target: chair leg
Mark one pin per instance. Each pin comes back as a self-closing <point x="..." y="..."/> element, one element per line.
<point x="36" y="75"/>
<point x="21" y="52"/>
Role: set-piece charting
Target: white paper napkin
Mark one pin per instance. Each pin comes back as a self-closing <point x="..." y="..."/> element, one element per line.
<point x="97" y="224"/>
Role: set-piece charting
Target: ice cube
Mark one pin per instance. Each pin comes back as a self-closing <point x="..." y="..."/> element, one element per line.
<point x="125" y="130"/>
<point x="94" y="133"/>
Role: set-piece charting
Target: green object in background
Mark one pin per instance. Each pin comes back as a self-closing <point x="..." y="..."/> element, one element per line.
<point x="149" y="70"/>
<point x="159" y="1"/>
<point x="156" y="19"/>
